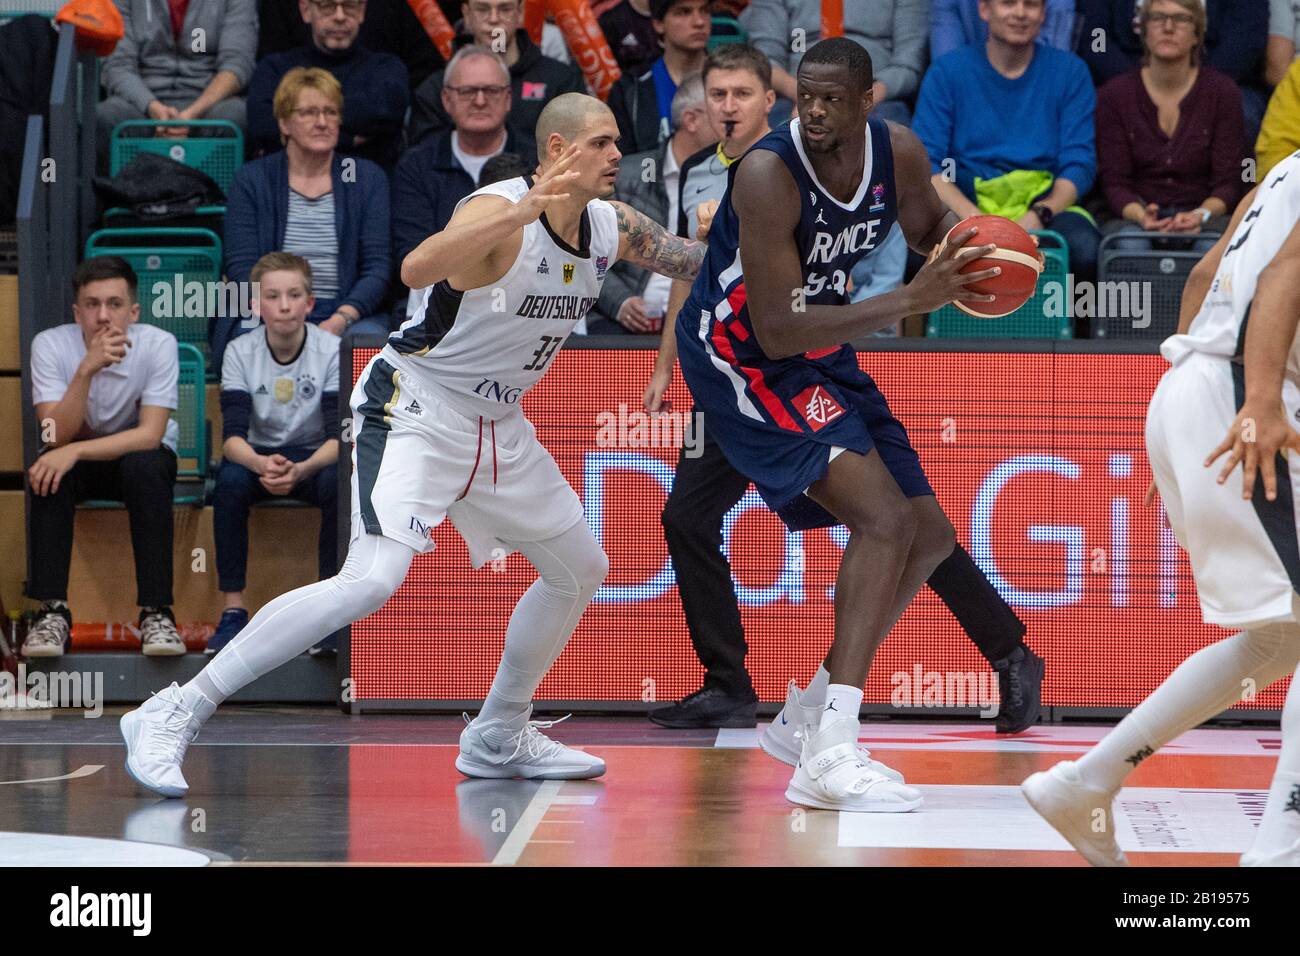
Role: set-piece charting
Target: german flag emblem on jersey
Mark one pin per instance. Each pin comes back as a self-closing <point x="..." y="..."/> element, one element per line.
<point x="568" y="272"/>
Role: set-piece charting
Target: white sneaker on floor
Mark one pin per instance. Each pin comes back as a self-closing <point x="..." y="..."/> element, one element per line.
<point x="1061" y="798"/>
<point x="157" y="734"/>
<point x="499" y="749"/>
<point x="158" y="634"/>
<point x="1287" y="856"/>
<point x="783" y="737"/>
<point x="830" y="776"/>
<point x="47" y="636"/>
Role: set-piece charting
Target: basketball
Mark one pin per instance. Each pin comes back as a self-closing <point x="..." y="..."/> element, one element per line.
<point x="1016" y="255"/>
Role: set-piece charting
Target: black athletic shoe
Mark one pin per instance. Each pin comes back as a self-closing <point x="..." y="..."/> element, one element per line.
<point x="710" y="707"/>
<point x="1020" y="685"/>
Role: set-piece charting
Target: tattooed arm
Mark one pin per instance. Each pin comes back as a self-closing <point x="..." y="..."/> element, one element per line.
<point x="645" y="243"/>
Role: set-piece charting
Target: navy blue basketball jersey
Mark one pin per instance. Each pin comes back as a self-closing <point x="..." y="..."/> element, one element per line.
<point x="714" y="332"/>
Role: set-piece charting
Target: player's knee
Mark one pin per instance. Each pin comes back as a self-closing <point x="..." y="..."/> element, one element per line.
<point x="934" y="540"/>
<point x="591" y="570"/>
<point x="891" y="523"/>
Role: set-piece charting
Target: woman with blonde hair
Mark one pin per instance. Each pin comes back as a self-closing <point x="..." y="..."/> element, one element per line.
<point x="307" y="199"/>
<point x="1170" y="135"/>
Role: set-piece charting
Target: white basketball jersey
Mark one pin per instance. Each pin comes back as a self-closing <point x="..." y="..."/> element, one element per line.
<point x="501" y="338"/>
<point x="1217" y="328"/>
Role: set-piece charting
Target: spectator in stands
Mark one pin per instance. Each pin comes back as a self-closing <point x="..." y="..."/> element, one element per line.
<point x="159" y="70"/>
<point x="629" y="29"/>
<point x="374" y="85"/>
<point x="505" y="166"/>
<point x="388" y="26"/>
<point x="104" y="388"/>
<point x="957" y="23"/>
<point x="1283" y="37"/>
<point x="632" y="299"/>
<point x="1279" y="136"/>
<point x="534" y="77"/>
<point x="1236" y="33"/>
<point x="309" y="200"/>
<point x="436" y="175"/>
<point x="1169" y="134"/>
<point x="642" y="103"/>
<point x="280" y="427"/>
<point x="894" y="32"/>
<point x="1008" y="126"/>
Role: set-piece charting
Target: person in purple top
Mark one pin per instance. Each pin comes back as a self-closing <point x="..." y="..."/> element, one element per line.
<point x="1170" y="139"/>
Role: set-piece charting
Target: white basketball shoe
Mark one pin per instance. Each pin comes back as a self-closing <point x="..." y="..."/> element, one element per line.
<point x="518" y="748"/>
<point x="1080" y="813"/>
<point x="783" y="737"/>
<point x="157" y="734"/>
<point x="831" y="776"/>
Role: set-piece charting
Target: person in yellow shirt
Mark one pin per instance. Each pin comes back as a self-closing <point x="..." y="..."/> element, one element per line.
<point x="1279" y="135"/>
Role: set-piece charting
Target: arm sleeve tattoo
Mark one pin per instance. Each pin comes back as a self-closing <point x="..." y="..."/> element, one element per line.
<point x="651" y="246"/>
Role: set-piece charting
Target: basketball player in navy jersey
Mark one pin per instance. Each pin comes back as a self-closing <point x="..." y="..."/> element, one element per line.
<point x="763" y="351"/>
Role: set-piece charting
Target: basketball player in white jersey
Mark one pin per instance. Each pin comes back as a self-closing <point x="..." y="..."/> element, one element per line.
<point x="439" y="433"/>
<point x="1236" y="368"/>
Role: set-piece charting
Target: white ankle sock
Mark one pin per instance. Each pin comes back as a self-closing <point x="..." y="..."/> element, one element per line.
<point x="841" y="701"/>
<point x="815" y="695"/>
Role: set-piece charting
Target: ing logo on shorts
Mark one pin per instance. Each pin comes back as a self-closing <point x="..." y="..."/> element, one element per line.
<point x="817" y="408"/>
<point x="420" y="528"/>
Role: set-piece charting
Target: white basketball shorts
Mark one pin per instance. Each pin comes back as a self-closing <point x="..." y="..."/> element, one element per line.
<point x="416" y="460"/>
<point x="1244" y="554"/>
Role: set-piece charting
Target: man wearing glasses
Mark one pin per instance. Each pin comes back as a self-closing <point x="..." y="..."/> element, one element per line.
<point x="374" y="84"/>
<point x="534" y="77"/>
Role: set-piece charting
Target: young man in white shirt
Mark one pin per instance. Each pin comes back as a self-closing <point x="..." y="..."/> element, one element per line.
<point x="104" y="388"/>
<point x="280" y="425"/>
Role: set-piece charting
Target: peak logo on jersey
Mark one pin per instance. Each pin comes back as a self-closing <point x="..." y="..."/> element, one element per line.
<point x="877" y="197"/>
<point x="602" y="266"/>
<point x="568" y="272"/>
<point x="533" y="91"/>
<point x="555" y="306"/>
<point x="818" y="408"/>
<point x="542" y="268"/>
<point x="827" y="247"/>
<point x="284" y="390"/>
<point x="414" y="408"/>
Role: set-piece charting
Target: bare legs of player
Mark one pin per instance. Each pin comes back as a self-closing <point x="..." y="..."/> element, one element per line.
<point x="895" y="543"/>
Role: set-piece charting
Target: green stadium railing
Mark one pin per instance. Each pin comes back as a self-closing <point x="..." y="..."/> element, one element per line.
<point x="1034" y="319"/>
<point x="192" y="443"/>
<point x="218" y="156"/>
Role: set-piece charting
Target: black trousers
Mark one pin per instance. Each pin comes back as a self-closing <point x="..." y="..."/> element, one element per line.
<point x="143" y="481"/>
<point x="704" y="490"/>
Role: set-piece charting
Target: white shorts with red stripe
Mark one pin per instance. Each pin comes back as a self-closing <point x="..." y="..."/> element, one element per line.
<point x="417" y="460"/>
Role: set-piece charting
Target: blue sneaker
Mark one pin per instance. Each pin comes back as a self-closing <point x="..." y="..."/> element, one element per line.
<point x="232" y="622"/>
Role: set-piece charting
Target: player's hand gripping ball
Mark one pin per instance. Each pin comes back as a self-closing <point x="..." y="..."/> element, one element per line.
<point x="705" y="212"/>
<point x="1016" y="255"/>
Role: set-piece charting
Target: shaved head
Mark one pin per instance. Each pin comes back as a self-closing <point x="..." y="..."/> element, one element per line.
<point x="569" y="114"/>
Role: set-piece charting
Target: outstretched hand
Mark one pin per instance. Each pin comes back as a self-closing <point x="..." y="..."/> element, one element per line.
<point x="551" y="186"/>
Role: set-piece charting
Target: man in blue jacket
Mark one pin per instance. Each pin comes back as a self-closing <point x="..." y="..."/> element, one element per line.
<point x="375" y="85"/>
<point x="433" y="177"/>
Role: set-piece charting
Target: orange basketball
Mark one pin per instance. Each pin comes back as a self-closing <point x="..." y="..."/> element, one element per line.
<point x="1017" y="257"/>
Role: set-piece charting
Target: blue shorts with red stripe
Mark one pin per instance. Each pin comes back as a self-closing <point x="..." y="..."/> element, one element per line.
<point x="780" y="430"/>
